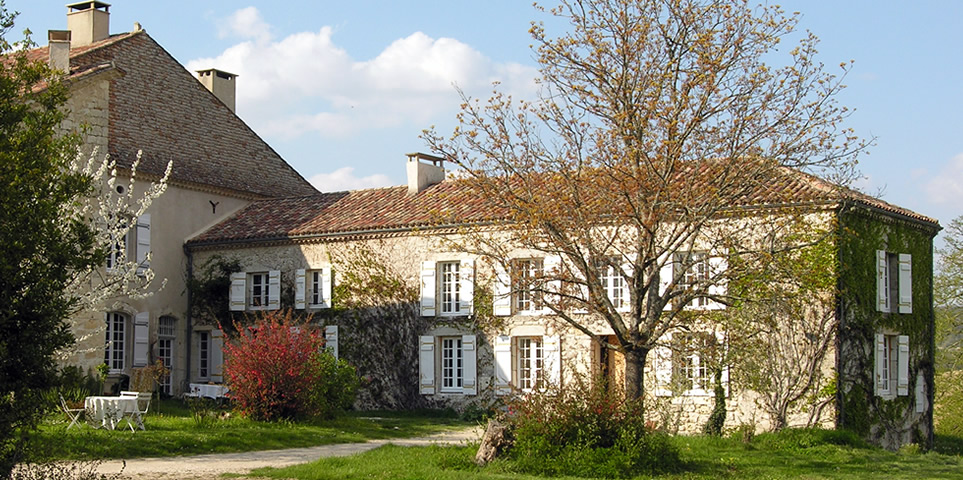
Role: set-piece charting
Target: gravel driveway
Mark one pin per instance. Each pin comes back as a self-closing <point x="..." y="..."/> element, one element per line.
<point x="212" y="465"/>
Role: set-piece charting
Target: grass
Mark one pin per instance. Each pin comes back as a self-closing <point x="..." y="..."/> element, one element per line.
<point x="825" y="457"/>
<point x="173" y="432"/>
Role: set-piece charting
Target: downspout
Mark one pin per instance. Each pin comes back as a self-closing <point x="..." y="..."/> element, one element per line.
<point x="190" y="319"/>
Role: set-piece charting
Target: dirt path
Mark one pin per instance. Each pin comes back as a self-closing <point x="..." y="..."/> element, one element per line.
<point x="212" y="465"/>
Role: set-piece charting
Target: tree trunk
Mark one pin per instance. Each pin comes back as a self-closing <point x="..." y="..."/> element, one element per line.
<point x="634" y="370"/>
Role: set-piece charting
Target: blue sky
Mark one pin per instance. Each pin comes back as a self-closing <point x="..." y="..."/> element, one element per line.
<point x="342" y="89"/>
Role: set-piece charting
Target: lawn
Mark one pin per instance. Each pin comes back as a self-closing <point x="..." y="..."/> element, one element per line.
<point x="173" y="431"/>
<point x="704" y="458"/>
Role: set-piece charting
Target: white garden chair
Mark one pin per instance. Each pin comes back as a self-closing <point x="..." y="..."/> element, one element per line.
<point x="73" y="414"/>
<point x="136" y="415"/>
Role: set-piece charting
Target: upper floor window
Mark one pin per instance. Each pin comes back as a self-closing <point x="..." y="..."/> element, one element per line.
<point x="450" y="288"/>
<point x="527" y="296"/>
<point x="255" y="290"/>
<point x="692" y="270"/>
<point x="133" y="245"/>
<point x="894" y="282"/>
<point x="260" y="290"/>
<point x="447" y="288"/>
<point x="613" y="283"/>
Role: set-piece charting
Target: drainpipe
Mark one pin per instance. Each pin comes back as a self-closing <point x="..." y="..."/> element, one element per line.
<point x="189" y="317"/>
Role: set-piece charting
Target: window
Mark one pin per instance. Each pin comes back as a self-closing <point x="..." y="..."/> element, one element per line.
<point x="116" y="342"/>
<point x="255" y="290"/>
<point x="685" y="363"/>
<point x="892" y="365"/>
<point x="260" y="290"/>
<point x="312" y="288"/>
<point x="695" y="277"/>
<point x="527" y="299"/>
<point x="165" y="349"/>
<point x="894" y="278"/>
<point x="456" y="363"/>
<point x="452" y="367"/>
<point x="614" y="285"/>
<point x="204" y="355"/>
<point x="446" y="288"/>
<point x="117" y="254"/>
<point x="316" y="293"/>
<point x="133" y="245"/>
<point x="529" y="362"/>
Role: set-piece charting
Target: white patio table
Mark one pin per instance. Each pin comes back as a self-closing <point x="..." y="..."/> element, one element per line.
<point x="109" y="411"/>
<point x="207" y="390"/>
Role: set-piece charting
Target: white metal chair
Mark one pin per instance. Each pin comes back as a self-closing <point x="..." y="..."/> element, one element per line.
<point x="137" y="414"/>
<point x="72" y="413"/>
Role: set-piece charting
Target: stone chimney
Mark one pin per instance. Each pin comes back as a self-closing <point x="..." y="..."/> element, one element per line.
<point x="423" y="174"/>
<point x="58" y="43"/>
<point x="88" y="22"/>
<point x="220" y="83"/>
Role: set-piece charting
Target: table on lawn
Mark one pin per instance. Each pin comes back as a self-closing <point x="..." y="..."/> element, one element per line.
<point x="109" y="411"/>
<point x="207" y="390"/>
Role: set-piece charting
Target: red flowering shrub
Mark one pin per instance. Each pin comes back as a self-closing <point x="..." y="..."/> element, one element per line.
<point x="278" y="369"/>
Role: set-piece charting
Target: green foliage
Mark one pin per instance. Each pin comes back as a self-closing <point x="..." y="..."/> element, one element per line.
<point x="793" y="439"/>
<point x="717" y="419"/>
<point x="584" y="430"/>
<point x="948" y="411"/>
<point x="210" y="290"/>
<point x="42" y="240"/>
<point x="948" y="297"/>
<point x="278" y="369"/>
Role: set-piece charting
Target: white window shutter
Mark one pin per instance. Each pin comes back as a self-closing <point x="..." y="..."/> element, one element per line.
<point x="466" y="276"/>
<point x="880" y="363"/>
<point x="717" y="270"/>
<point x="331" y="339"/>
<point x="920" y="393"/>
<point x="551" y="267"/>
<point x="428" y="289"/>
<point x="327" y="278"/>
<point x="299" y="288"/>
<point x="882" y="285"/>
<point x="426" y="362"/>
<point x="902" y="366"/>
<point x="141" y="341"/>
<point x="143" y="242"/>
<point x="665" y="278"/>
<point x="503" y="365"/>
<point x="552" y="357"/>
<point x="905" y="283"/>
<point x="469" y="368"/>
<point x="274" y="294"/>
<point x="626" y="306"/>
<point x="663" y="368"/>
<point x="502" y="304"/>
<point x="217" y="356"/>
<point x="722" y="346"/>
<point x="238" y="291"/>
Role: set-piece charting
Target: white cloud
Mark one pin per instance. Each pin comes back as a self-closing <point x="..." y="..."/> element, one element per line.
<point x="305" y="83"/>
<point x="344" y="179"/>
<point x="946" y="187"/>
<point x="245" y="23"/>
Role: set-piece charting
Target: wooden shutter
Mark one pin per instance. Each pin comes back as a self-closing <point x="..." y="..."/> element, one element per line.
<point x="662" y="362"/>
<point x="299" y="289"/>
<point x="717" y="269"/>
<point x="327" y="278"/>
<point x="238" y="291"/>
<point x="627" y="268"/>
<point x="143" y="243"/>
<point x="274" y="294"/>
<point x="502" y="304"/>
<point x="466" y="277"/>
<point x="552" y="358"/>
<point x="469" y="368"/>
<point x="882" y="284"/>
<point x="503" y="365"/>
<point x="426" y="363"/>
<point x="217" y="356"/>
<point x="905" y="283"/>
<point x="331" y="339"/>
<point x="880" y="363"/>
<point x="551" y="267"/>
<point x="902" y="366"/>
<point x="141" y="339"/>
<point x="428" y="279"/>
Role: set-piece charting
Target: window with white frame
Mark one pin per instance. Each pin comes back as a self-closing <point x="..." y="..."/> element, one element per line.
<point x="134" y="244"/>
<point x="692" y="270"/>
<point x="892" y="365"/>
<point x="315" y="288"/>
<point x="447" y="288"/>
<point x="529" y="362"/>
<point x="452" y="366"/>
<point x="257" y="290"/>
<point x="204" y="355"/>
<point x="260" y="290"/>
<point x="894" y="282"/>
<point x="613" y="283"/>
<point x="453" y="359"/>
<point x="117" y="252"/>
<point x="527" y="271"/>
<point x="685" y="364"/>
<point x="165" y="349"/>
<point x="116" y="342"/>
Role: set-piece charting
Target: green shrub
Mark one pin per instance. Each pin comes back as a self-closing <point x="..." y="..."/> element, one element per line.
<point x="948" y="411"/>
<point x="585" y="431"/>
<point x="791" y="439"/>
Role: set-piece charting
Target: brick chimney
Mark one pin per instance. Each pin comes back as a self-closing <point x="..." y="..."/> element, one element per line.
<point x="88" y="22"/>
<point x="422" y="175"/>
<point x="221" y="84"/>
<point x="58" y="43"/>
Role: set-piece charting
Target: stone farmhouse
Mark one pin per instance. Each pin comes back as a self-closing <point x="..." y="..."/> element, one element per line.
<point x="412" y="330"/>
<point x="132" y="95"/>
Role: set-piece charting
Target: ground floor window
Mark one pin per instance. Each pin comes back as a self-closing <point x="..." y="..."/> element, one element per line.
<point x="204" y="355"/>
<point x="529" y="360"/>
<point x="165" y="350"/>
<point x="452" y="367"/>
<point x="115" y="342"/>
